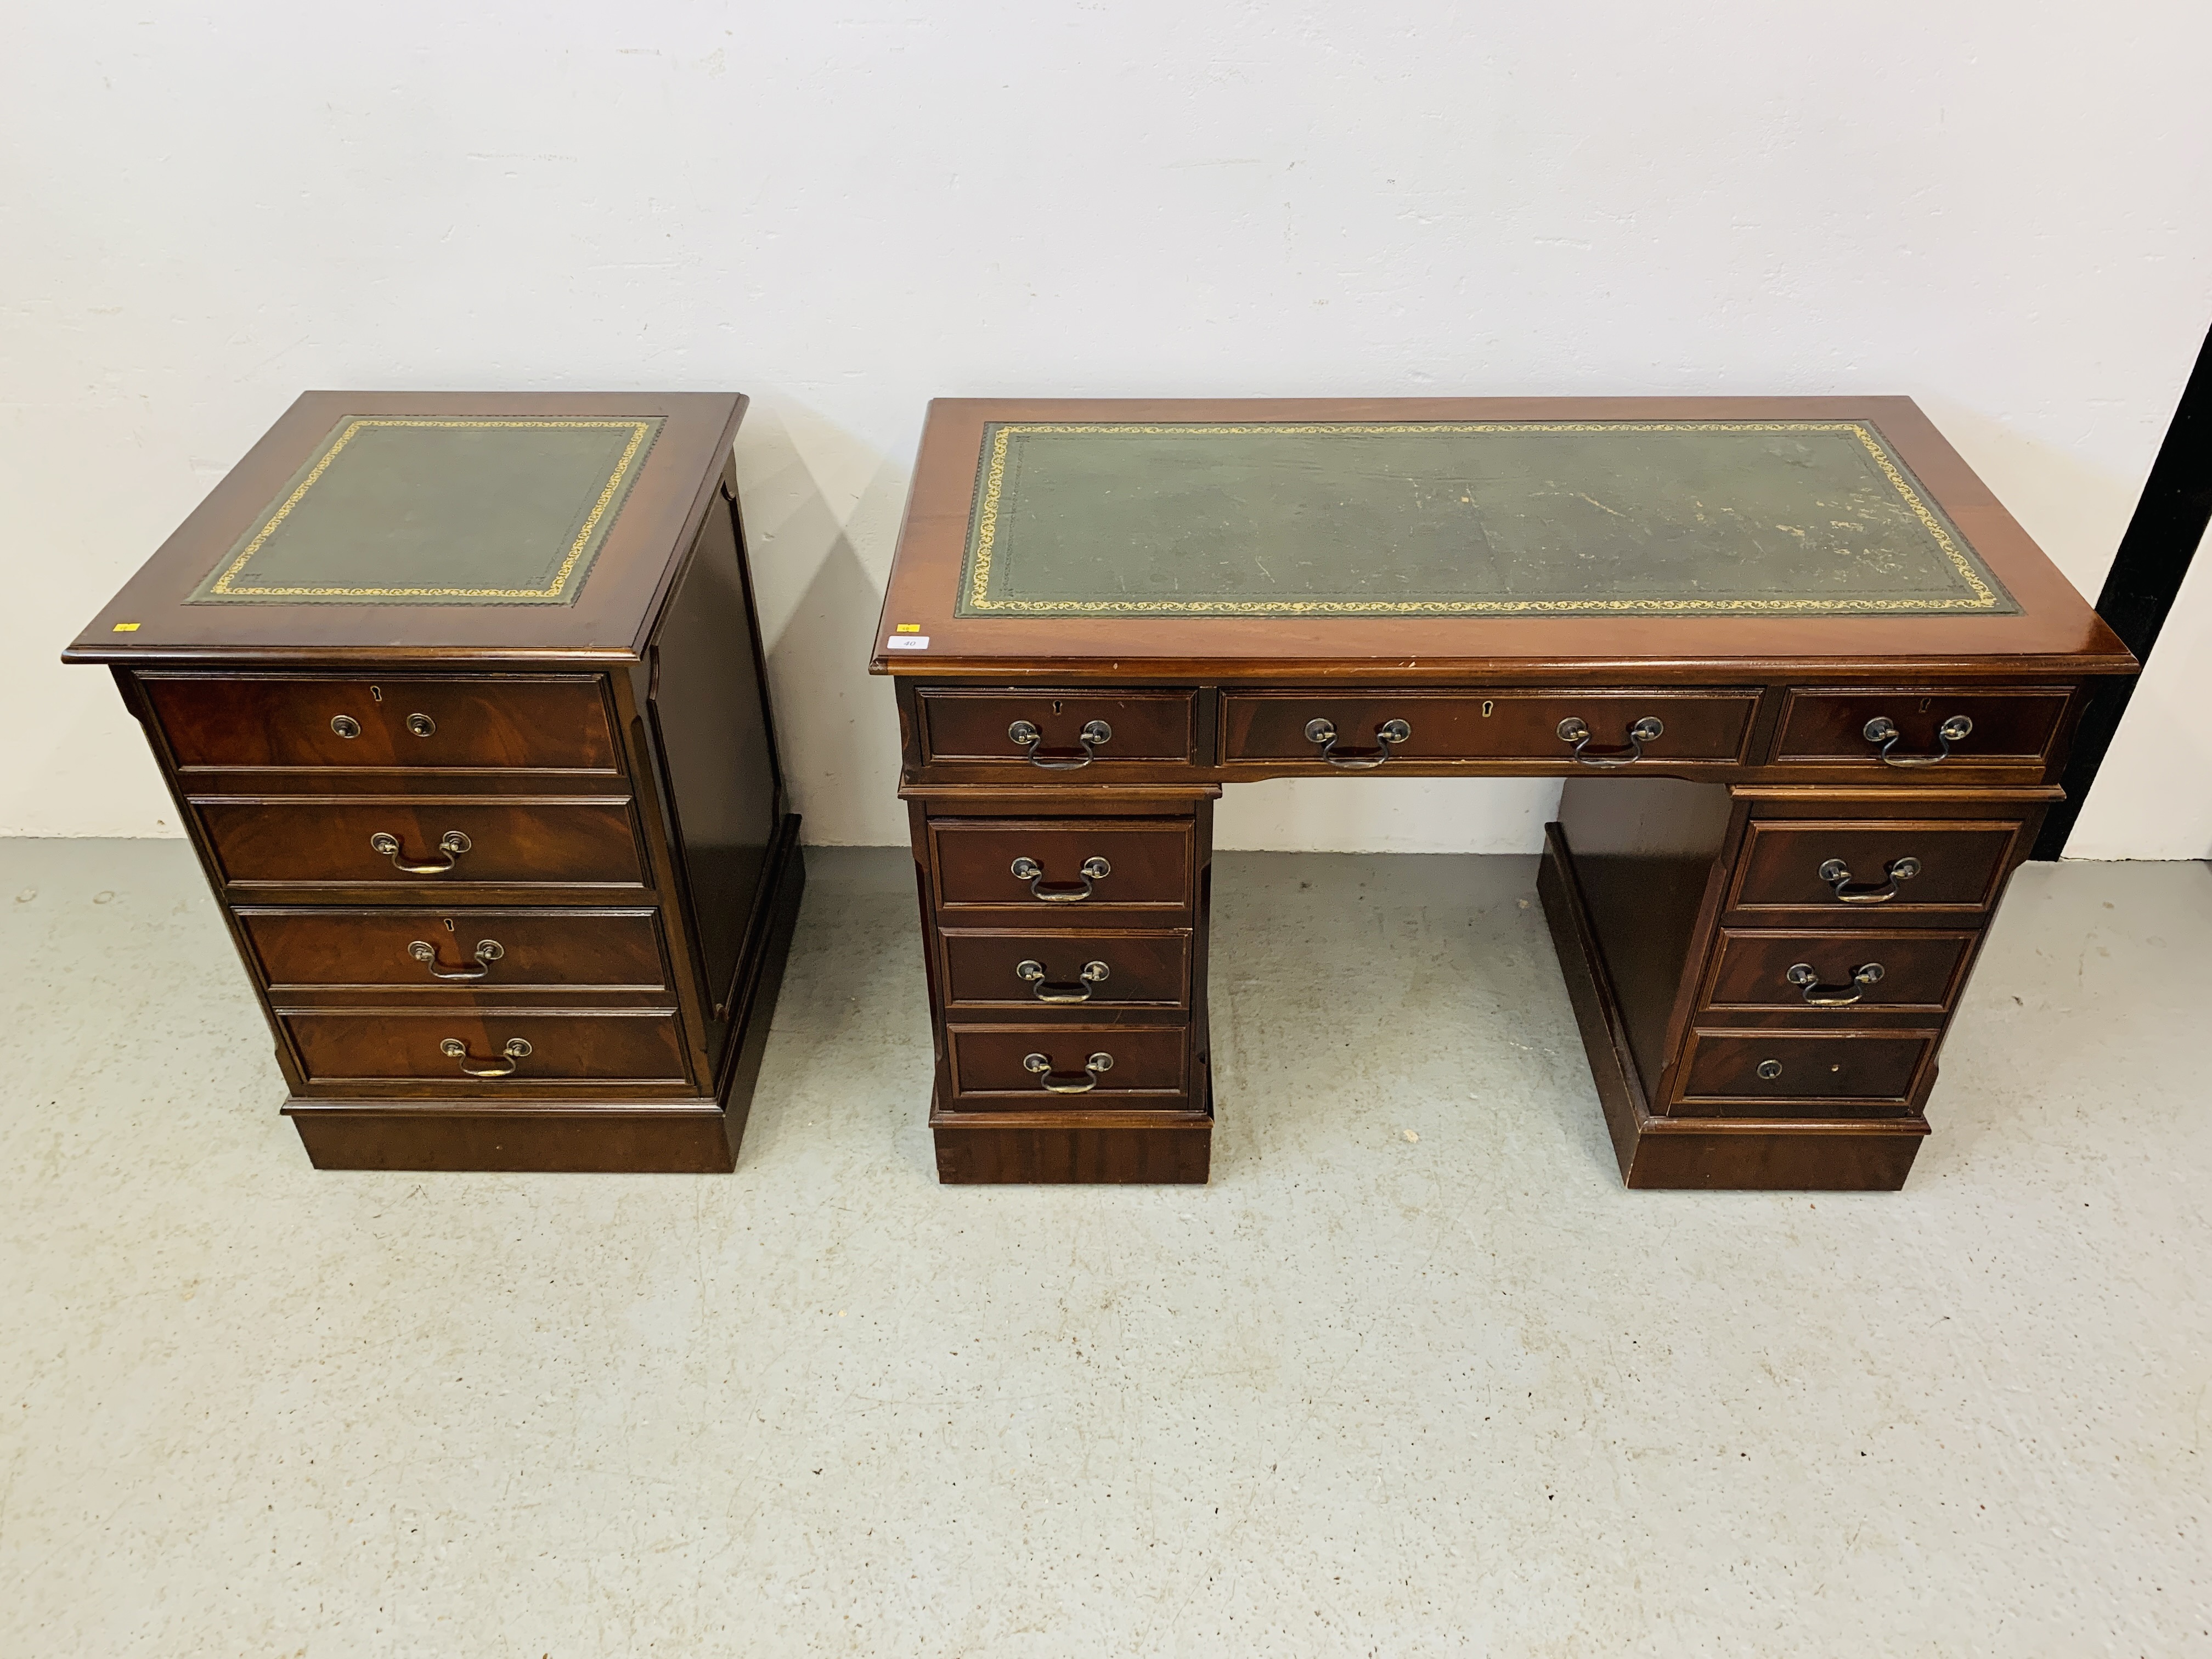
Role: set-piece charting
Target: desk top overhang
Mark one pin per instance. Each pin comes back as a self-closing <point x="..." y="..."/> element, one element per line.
<point x="1445" y="539"/>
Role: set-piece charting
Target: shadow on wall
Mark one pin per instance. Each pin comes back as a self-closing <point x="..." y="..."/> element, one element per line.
<point x="822" y="511"/>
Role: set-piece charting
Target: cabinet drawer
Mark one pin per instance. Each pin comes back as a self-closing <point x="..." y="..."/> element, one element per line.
<point x="979" y="726"/>
<point x="1855" y="867"/>
<point x="456" y="950"/>
<point x="1084" y="868"/>
<point x="993" y="1070"/>
<point x="1853" y="1073"/>
<point x="1833" y="974"/>
<point x="1096" y="969"/>
<point x="1822" y="727"/>
<point x="1693" y="727"/>
<point x="454" y="842"/>
<point x="382" y="1047"/>
<point x="510" y="723"/>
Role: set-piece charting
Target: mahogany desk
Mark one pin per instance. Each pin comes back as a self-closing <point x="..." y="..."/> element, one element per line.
<point x="1809" y="685"/>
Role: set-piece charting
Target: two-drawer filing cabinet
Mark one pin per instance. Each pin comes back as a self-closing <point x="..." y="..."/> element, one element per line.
<point x="460" y="698"/>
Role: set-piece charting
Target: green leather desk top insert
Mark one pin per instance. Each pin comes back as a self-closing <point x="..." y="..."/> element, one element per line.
<point x="1536" y="518"/>
<point x="422" y="510"/>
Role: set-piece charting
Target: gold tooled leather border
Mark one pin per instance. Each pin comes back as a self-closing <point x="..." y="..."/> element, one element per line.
<point x="983" y="516"/>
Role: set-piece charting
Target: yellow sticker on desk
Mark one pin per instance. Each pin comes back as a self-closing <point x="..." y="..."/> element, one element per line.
<point x="126" y="627"/>
<point x="907" y="628"/>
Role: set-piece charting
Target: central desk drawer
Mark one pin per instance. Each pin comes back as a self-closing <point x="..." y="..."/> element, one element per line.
<point x="1272" y="727"/>
<point x="454" y="842"/>
<point x="1070" y="870"/>
<point x="1094" y="970"/>
<point x="1850" y="867"/>
<point x="500" y="723"/>
<point x="495" y="1048"/>
<point x="456" y="950"/>
<point x="999" y="1069"/>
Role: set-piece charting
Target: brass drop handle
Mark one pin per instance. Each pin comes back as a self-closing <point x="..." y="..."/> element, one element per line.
<point x="1059" y="760"/>
<point x="1092" y="870"/>
<point x="345" y="725"/>
<point x="488" y="952"/>
<point x="1356" y="760"/>
<point x="1838" y="875"/>
<point x="517" y="1049"/>
<point x="453" y="844"/>
<point x="1576" y="731"/>
<point x="1094" y="974"/>
<point x="1883" y="729"/>
<point x="421" y="725"/>
<point x="1069" y="1083"/>
<point x="1818" y="995"/>
<point x="1770" y="1069"/>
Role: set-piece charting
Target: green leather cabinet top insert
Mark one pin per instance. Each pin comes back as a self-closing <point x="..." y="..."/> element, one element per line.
<point x="1442" y="518"/>
<point x="435" y="510"/>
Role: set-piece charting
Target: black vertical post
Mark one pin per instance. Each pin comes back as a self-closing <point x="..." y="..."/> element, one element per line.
<point x="2139" y="589"/>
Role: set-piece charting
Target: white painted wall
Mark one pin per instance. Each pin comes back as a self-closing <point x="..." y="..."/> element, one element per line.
<point x="847" y="207"/>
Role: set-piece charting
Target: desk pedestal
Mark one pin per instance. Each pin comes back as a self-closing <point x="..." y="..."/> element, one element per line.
<point x="1763" y="975"/>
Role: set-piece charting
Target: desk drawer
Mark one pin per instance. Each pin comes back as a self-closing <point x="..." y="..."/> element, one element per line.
<point x="991" y="1069"/>
<point x="520" y="1050"/>
<point x="469" y="952"/>
<point x="1853" y="868"/>
<point x="1780" y="1073"/>
<point x="1837" y="974"/>
<point x="454" y="842"/>
<point x="371" y="721"/>
<point x="2012" y="729"/>
<point x="977" y="725"/>
<point x="1092" y="969"/>
<point x="1693" y="727"/>
<point x="1073" y="869"/>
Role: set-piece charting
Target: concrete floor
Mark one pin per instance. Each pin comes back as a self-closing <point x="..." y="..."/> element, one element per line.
<point x="1368" y="1394"/>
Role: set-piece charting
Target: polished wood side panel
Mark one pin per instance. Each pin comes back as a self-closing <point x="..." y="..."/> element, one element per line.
<point x="972" y="726"/>
<point x="2012" y="728"/>
<point x="309" y="842"/>
<point x="1143" y="970"/>
<point x="383" y="1045"/>
<point x="404" y="721"/>
<point x="1502" y="726"/>
<point x="536" y="950"/>
<point x="718" y="773"/>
